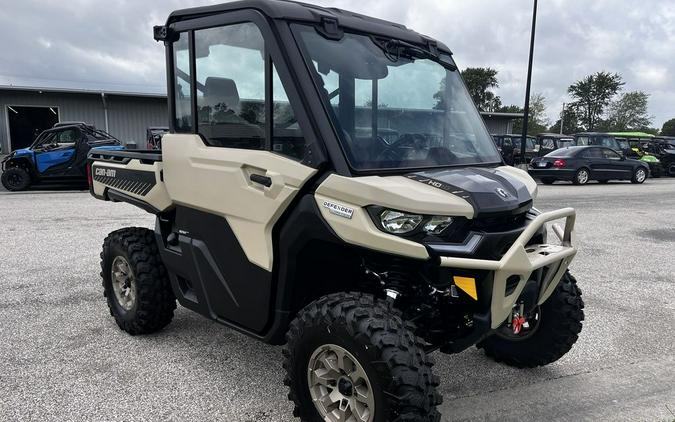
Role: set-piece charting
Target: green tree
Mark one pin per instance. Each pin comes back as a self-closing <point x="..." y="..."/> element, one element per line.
<point x="650" y="130"/>
<point x="479" y="81"/>
<point x="629" y="112"/>
<point x="538" y="122"/>
<point x="570" y="122"/>
<point x="593" y="94"/>
<point x="668" y="128"/>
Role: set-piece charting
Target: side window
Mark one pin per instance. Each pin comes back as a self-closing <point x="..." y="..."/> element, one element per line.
<point x="530" y="144"/>
<point x="592" y="153"/>
<point x="287" y="138"/>
<point x="182" y="84"/>
<point x="68" y="137"/>
<point x="610" y="155"/>
<point x="583" y="140"/>
<point x="230" y="78"/>
<point x="508" y="142"/>
<point x="47" y="140"/>
<point x="547" y="143"/>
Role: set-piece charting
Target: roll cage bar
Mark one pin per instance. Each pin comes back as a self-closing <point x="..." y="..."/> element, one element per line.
<point x="87" y="129"/>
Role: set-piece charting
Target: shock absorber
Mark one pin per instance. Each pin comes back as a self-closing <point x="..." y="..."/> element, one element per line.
<point x="394" y="277"/>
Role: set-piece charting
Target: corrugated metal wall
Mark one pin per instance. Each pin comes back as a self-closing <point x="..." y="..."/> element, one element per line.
<point x="128" y="116"/>
<point x="498" y="126"/>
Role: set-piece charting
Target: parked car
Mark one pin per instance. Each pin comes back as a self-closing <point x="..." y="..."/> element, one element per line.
<point x="549" y="142"/>
<point x="153" y="137"/>
<point x="580" y="164"/>
<point x="57" y="156"/>
<point x="621" y="143"/>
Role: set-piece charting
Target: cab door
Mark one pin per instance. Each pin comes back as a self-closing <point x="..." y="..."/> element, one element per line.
<point x="56" y="154"/>
<point x="236" y="158"/>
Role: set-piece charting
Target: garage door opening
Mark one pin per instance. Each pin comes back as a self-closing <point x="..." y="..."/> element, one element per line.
<point x="26" y="123"/>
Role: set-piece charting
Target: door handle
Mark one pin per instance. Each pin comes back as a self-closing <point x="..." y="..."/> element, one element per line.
<point x="260" y="179"/>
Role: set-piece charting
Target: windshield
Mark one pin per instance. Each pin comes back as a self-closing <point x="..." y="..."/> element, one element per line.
<point x="393" y="106"/>
<point x="563" y="143"/>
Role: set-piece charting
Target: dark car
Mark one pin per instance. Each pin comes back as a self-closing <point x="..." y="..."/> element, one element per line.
<point x="579" y="164"/>
<point x="153" y="137"/>
<point x="549" y="142"/>
<point x="622" y="145"/>
<point x="58" y="156"/>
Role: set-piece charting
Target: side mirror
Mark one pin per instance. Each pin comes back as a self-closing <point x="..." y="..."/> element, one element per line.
<point x="623" y="157"/>
<point x="537" y="148"/>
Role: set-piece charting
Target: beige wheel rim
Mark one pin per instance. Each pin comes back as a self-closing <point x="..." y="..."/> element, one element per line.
<point x="123" y="283"/>
<point x="339" y="386"/>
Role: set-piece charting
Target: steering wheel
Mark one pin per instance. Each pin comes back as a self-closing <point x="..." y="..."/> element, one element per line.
<point x="397" y="150"/>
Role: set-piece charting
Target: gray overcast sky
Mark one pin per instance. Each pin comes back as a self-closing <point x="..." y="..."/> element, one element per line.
<point x="108" y="44"/>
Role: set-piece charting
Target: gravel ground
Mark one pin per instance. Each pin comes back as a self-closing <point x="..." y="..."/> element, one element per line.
<point x="63" y="358"/>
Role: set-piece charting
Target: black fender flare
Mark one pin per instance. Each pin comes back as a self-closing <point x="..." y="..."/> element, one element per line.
<point x="22" y="162"/>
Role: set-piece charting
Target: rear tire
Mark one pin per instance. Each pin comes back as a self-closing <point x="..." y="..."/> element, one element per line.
<point x="557" y="331"/>
<point x="15" y="179"/>
<point x="135" y="281"/>
<point x="582" y="176"/>
<point x="396" y="371"/>
<point x="639" y="175"/>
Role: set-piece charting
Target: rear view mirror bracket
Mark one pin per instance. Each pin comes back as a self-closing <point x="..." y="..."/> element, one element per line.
<point x="329" y="28"/>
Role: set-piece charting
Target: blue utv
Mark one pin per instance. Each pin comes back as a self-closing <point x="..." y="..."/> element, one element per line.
<point x="57" y="157"/>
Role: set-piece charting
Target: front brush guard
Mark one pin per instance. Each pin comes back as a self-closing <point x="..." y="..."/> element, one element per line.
<point x="521" y="260"/>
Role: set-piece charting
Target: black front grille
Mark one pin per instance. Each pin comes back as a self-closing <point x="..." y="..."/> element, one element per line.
<point x="499" y="223"/>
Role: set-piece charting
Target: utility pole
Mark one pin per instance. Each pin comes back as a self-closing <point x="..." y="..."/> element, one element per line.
<point x="526" y="118"/>
<point x="562" y="119"/>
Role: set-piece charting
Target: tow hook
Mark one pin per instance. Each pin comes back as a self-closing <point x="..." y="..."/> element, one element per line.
<point x="518" y="320"/>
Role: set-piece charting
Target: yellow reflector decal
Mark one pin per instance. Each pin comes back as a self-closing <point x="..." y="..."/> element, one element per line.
<point x="467" y="284"/>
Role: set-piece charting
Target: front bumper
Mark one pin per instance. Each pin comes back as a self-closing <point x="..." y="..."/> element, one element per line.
<point x="521" y="260"/>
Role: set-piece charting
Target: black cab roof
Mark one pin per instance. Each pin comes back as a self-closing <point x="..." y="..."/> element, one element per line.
<point x="296" y="11"/>
<point x="592" y="134"/>
<point x="553" y="135"/>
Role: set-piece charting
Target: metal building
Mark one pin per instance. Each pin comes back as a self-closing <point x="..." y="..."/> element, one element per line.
<point x="26" y="111"/>
<point x="500" y="123"/>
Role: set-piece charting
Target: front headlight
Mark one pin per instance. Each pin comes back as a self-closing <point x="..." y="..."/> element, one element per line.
<point x="399" y="222"/>
<point x="437" y="223"/>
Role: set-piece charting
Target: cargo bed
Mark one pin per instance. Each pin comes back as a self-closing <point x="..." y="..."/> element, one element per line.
<point x="133" y="176"/>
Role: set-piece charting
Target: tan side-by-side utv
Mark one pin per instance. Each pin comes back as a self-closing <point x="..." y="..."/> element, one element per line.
<point x="328" y="184"/>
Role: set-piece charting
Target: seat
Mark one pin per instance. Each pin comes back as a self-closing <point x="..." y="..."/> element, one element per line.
<point x="221" y="119"/>
<point x="222" y="96"/>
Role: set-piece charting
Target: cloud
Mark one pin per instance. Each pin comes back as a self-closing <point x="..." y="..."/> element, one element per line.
<point x="110" y="42"/>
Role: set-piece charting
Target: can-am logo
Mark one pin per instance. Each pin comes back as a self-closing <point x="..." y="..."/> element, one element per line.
<point x="98" y="171"/>
<point x="339" y="209"/>
<point x="501" y="192"/>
